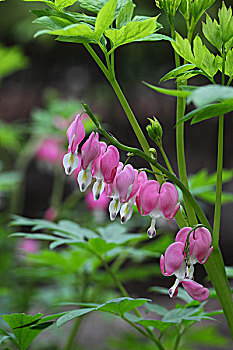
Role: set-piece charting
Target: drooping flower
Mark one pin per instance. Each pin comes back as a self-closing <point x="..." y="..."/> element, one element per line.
<point x="157" y="201"/>
<point x="127" y="208"/>
<point x="199" y="243"/>
<point x="180" y="257"/>
<point x="108" y="164"/>
<point x="75" y="134"/>
<point x="99" y="184"/>
<point x="112" y="192"/>
<point x="89" y="152"/>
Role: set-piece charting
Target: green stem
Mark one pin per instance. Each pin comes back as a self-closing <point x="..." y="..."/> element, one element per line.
<point x="110" y="75"/>
<point x="180" y="136"/>
<point x="157" y="342"/>
<point x="218" y="201"/>
<point x="73" y="333"/>
<point x="168" y="164"/>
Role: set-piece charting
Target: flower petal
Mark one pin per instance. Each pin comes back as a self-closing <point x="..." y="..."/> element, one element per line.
<point x="70" y="162"/>
<point x="195" y="290"/>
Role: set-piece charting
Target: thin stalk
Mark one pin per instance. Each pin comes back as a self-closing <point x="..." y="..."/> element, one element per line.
<point x="168" y="164"/>
<point x="180" y="136"/>
<point x="73" y="333"/>
<point x="218" y="201"/>
<point x="110" y="75"/>
<point x="157" y="342"/>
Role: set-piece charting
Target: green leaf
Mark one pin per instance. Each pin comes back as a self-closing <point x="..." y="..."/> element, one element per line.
<point x="225" y="23"/>
<point x="204" y="59"/>
<point x="120" y="306"/>
<point x="154" y="37"/>
<point x="229" y="64"/>
<point x="209" y="111"/>
<point x="73" y="314"/>
<point x="207" y="94"/>
<point x="160" y="325"/>
<point x="125" y="15"/>
<point x="79" y="30"/>
<point x="188" y="314"/>
<point x="52" y="22"/>
<point x="12" y="60"/>
<point x="212" y="33"/>
<point x="176" y="93"/>
<point x="49" y="3"/>
<point x="201" y="57"/>
<point x="183" y="48"/>
<point x="173" y="74"/>
<point x="105" y="17"/>
<point x="158" y="309"/>
<point x="64" y="3"/>
<point x="131" y="32"/>
<point x="100" y="246"/>
<point x="24" y="336"/>
<point x="116" y="233"/>
<point x="95" y="6"/>
<point x="198" y="7"/>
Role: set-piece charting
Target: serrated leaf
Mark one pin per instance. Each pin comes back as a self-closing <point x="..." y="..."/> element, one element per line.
<point x="52" y="22"/>
<point x="198" y="7"/>
<point x="105" y="17"/>
<point x="73" y="314"/>
<point x="131" y="32"/>
<point x="154" y="37"/>
<point x="125" y="15"/>
<point x="183" y="48"/>
<point x="24" y="336"/>
<point x="116" y="233"/>
<point x="225" y="23"/>
<point x="162" y="326"/>
<point x="169" y="92"/>
<point x="212" y="33"/>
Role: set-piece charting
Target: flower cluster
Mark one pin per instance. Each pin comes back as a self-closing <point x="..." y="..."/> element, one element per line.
<point x="191" y="246"/>
<point x="123" y="184"/>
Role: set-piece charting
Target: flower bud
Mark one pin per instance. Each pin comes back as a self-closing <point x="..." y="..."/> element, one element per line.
<point x="155" y="130"/>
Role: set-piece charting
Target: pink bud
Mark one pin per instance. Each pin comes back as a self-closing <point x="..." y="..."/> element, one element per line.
<point x="109" y="163"/>
<point x="90" y="150"/>
<point x="75" y="134"/>
<point x="195" y="290"/>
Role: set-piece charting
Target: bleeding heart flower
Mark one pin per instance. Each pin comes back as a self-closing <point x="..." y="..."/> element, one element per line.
<point x="157" y="201"/>
<point x="75" y="134"/>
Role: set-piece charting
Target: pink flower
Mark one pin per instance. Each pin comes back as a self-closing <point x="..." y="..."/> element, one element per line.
<point x="89" y="152"/>
<point x="29" y="245"/>
<point x="99" y="185"/>
<point x="127" y="208"/>
<point x="50" y="214"/>
<point x="157" y="201"/>
<point x="108" y="164"/>
<point x="195" y="290"/>
<point x="49" y="150"/>
<point x="112" y="192"/>
<point x="200" y="243"/>
<point x="75" y="134"/>
<point x="124" y="183"/>
<point x="101" y="204"/>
